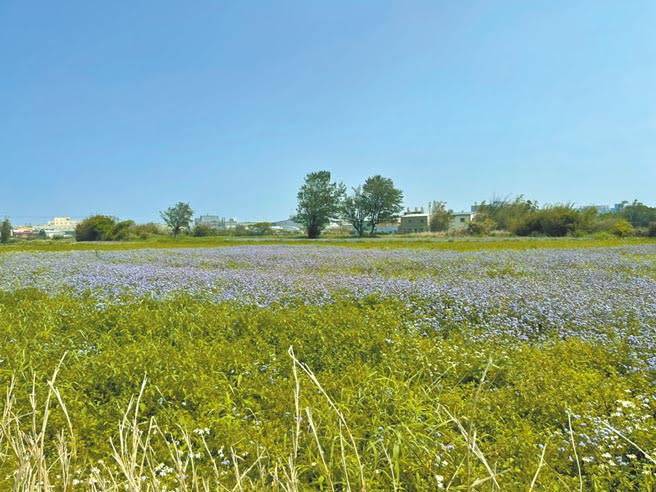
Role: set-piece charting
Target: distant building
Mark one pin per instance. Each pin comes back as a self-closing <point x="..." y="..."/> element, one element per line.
<point x="415" y="221"/>
<point x="286" y="226"/>
<point x="213" y="221"/>
<point x="460" y="220"/>
<point x="387" y="228"/>
<point x="618" y="207"/>
<point x="601" y="209"/>
<point x="57" y="233"/>
<point x="59" y="227"/>
<point x="25" y="231"/>
<point x="62" y="224"/>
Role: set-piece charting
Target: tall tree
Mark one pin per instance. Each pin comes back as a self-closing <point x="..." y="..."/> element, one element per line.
<point x="638" y="214"/>
<point x="382" y="200"/>
<point x="319" y="201"/>
<point x="354" y="209"/>
<point x="5" y="231"/>
<point x="440" y="217"/>
<point x="177" y="217"/>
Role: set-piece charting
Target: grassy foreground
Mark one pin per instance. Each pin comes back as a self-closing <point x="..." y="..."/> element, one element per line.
<point x="188" y="395"/>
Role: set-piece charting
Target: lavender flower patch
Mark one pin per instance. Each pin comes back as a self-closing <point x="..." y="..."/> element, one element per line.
<point x="596" y="293"/>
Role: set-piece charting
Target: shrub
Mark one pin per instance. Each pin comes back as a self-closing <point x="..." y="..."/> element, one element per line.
<point x="122" y="231"/>
<point x="203" y="230"/>
<point x="143" y="231"/>
<point x="651" y="229"/>
<point x="556" y="220"/>
<point x="95" y="228"/>
<point x="621" y="228"/>
<point x="481" y="226"/>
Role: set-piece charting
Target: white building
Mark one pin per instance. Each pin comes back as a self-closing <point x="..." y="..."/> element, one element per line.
<point x="61" y="224"/>
<point x="460" y="220"/>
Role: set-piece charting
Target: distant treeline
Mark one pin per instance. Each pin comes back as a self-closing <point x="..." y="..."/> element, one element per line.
<point x="525" y="218"/>
<point x="517" y="216"/>
<point x="105" y="228"/>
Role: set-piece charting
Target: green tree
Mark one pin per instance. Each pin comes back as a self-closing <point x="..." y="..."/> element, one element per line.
<point x="504" y="214"/>
<point x="5" y="231"/>
<point x="123" y="230"/>
<point x="355" y="211"/>
<point x="382" y="200"/>
<point x="440" y="217"/>
<point x="177" y="217"/>
<point x="638" y="214"/>
<point x="319" y="201"/>
<point x="95" y="228"/>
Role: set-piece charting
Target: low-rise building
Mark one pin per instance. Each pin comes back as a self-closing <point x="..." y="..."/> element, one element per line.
<point x="415" y="221"/>
<point x="62" y="224"/>
<point x="387" y="228"/>
<point x="460" y="220"/>
<point x="288" y="225"/>
<point x="25" y="232"/>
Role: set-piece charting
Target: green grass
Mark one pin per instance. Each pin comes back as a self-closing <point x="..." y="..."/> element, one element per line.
<point x="367" y="401"/>
<point x="382" y="242"/>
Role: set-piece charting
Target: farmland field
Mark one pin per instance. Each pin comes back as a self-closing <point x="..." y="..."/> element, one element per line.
<point x="281" y="366"/>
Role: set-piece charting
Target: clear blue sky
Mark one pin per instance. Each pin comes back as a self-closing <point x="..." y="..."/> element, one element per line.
<point x="125" y="108"/>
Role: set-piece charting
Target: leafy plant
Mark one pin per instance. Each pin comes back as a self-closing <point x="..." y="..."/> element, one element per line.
<point x="177" y="217"/>
<point x="319" y="202"/>
<point x="5" y="231"/>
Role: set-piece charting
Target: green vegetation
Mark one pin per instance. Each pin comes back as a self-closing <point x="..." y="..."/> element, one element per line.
<point x="638" y="214"/>
<point x="382" y="200"/>
<point x="104" y="228"/>
<point x="524" y="218"/>
<point x="5" y="231"/>
<point x="354" y="210"/>
<point x="178" y="217"/>
<point x="319" y="202"/>
<point x="95" y="228"/>
<point x="421" y="241"/>
<point x="440" y="217"/>
<point x="368" y="398"/>
<point x="376" y="201"/>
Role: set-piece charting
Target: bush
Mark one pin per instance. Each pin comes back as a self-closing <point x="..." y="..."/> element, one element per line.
<point x="143" y="231"/>
<point x="621" y="228"/>
<point x="95" y="228"/>
<point x="479" y="227"/>
<point x="651" y="229"/>
<point x="505" y="212"/>
<point x="122" y="231"/>
<point x="203" y="230"/>
<point x="555" y="221"/>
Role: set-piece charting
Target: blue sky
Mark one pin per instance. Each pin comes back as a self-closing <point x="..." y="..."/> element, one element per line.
<point x="125" y="108"/>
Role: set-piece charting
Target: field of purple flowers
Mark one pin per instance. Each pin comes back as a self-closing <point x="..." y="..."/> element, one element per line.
<point x="594" y="294"/>
<point x="491" y="337"/>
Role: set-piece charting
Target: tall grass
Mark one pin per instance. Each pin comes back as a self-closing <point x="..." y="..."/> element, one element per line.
<point x="145" y="458"/>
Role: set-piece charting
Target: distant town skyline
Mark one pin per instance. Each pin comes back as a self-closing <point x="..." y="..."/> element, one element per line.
<point x="125" y="110"/>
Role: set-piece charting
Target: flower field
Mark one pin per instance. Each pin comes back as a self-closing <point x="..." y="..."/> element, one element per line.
<point x="299" y="367"/>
